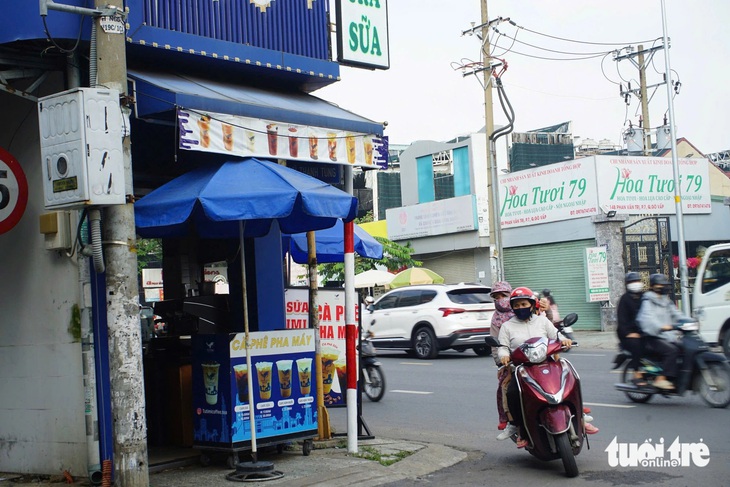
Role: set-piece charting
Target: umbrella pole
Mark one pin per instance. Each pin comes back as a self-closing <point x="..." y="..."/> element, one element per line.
<point x="252" y="409"/>
<point x="323" y="423"/>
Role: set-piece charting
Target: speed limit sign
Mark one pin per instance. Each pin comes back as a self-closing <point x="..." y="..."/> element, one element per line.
<point x="13" y="191"/>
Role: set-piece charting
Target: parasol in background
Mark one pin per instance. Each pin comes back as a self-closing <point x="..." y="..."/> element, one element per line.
<point x="372" y="278"/>
<point x="415" y="275"/>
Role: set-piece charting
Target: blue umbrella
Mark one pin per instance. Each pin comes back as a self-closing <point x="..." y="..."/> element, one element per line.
<point x="330" y="245"/>
<point x="210" y="202"/>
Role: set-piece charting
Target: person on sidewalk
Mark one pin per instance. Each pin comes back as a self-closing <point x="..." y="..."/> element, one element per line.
<point x="503" y="312"/>
<point x="656" y="315"/>
<point x="555" y="318"/>
<point x="628" y="330"/>
<point x="523" y="326"/>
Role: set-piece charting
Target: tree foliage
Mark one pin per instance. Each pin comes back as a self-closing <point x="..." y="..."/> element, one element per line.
<point x="149" y="253"/>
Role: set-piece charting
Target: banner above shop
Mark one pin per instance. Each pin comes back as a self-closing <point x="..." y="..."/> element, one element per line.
<point x="645" y="185"/>
<point x="253" y="137"/>
<point x="548" y="193"/>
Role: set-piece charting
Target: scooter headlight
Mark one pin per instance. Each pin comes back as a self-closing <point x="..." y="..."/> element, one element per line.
<point x="537" y="352"/>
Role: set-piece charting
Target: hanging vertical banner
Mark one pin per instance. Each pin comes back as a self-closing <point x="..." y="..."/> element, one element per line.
<point x="596" y="274"/>
<point x="331" y="334"/>
<point x="253" y="137"/>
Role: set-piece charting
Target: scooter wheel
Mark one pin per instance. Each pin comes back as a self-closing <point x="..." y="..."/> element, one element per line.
<point x="375" y="387"/>
<point x="716" y="395"/>
<point x="638" y="397"/>
<point x="562" y="442"/>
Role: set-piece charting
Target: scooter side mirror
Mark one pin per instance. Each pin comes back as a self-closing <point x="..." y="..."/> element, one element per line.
<point x="491" y="341"/>
<point x="570" y="319"/>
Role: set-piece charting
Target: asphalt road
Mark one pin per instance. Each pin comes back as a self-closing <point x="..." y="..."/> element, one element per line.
<point x="451" y="401"/>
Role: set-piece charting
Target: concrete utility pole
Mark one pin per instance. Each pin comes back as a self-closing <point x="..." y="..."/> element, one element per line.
<point x="122" y="298"/>
<point x="646" y="135"/>
<point x="492" y="179"/>
<point x="641" y="92"/>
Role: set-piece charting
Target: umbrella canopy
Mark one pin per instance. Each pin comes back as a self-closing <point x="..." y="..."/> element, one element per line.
<point x="372" y="278"/>
<point x="331" y="245"/>
<point x="211" y="200"/>
<point x="415" y="275"/>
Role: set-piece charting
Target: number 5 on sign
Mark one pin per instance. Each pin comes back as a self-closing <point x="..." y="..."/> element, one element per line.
<point x="13" y="191"/>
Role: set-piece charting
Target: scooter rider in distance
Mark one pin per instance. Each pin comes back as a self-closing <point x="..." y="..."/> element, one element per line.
<point x="629" y="333"/>
<point x="656" y="314"/>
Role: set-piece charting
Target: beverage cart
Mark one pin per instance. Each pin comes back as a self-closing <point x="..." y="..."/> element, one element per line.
<point x="283" y="396"/>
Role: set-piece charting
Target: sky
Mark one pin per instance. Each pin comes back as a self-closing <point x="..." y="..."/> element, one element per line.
<point x="423" y="97"/>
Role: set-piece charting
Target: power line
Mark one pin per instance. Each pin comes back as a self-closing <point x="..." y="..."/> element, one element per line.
<point x="549" y="50"/>
<point x="575" y="41"/>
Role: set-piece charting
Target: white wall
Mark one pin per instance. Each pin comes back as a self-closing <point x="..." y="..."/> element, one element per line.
<point x="41" y="390"/>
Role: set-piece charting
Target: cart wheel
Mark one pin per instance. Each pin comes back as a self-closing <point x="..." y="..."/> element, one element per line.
<point x="204" y="460"/>
<point x="232" y="460"/>
<point x="307" y="447"/>
<point x="280" y="448"/>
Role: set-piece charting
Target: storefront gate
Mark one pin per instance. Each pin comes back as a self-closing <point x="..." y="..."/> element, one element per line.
<point x="648" y="248"/>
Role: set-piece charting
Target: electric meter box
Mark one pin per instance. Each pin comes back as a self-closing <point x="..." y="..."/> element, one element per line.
<point x="81" y="148"/>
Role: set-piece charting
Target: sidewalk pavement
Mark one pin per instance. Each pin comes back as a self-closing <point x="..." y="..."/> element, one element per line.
<point x="328" y="465"/>
<point x="602" y="340"/>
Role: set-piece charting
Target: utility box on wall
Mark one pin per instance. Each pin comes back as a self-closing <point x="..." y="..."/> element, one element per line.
<point x="81" y="148"/>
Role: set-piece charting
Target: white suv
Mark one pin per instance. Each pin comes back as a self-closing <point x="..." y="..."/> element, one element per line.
<point x="427" y="318"/>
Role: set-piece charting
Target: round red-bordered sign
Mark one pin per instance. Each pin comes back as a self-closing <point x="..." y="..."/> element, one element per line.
<point x="13" y="191"/>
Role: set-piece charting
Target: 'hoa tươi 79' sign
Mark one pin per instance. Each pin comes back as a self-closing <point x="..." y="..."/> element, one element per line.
<point x="548" y="193"/>
<point x="645" y="185"/>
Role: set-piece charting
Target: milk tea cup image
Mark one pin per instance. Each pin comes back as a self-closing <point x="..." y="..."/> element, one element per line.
<point x="263" y="372"/>
<point x="284" y="369"/>
<point x="329" y="356"/>
<point x="210" y="381"/>
<point x="240" y="371"/>
<point x="304" y="371"/>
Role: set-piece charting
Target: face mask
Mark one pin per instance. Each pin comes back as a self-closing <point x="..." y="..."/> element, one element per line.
<point x="635" y="287"/>
<point x="665" y="290"/>
<point x="502" y="304"/>
<point x="523" y="313"/>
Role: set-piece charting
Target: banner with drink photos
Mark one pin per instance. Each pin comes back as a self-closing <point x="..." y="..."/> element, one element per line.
<point x="283" y="392"/>
<point x="253" y="137"/>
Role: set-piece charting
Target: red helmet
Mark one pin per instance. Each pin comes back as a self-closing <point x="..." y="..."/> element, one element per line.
<point x="522" y="293"/>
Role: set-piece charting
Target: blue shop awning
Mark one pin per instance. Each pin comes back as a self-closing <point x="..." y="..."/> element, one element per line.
<point x="157" y="93"/>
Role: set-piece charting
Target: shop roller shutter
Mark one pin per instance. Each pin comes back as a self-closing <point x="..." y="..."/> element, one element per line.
<point x="559" y="267"/>
<point x="454" y="267"/>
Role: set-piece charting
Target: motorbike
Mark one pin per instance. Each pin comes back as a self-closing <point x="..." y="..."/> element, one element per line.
<point x="551" y="400"/>
<point x="700" y="370"/>
<point x="371" y="373"/>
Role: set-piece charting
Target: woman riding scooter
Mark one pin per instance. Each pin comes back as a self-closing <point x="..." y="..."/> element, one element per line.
<point x="523" y="326"/>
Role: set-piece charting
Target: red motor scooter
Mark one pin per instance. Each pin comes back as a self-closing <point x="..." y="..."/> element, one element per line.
<point x="551" y="400"/>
